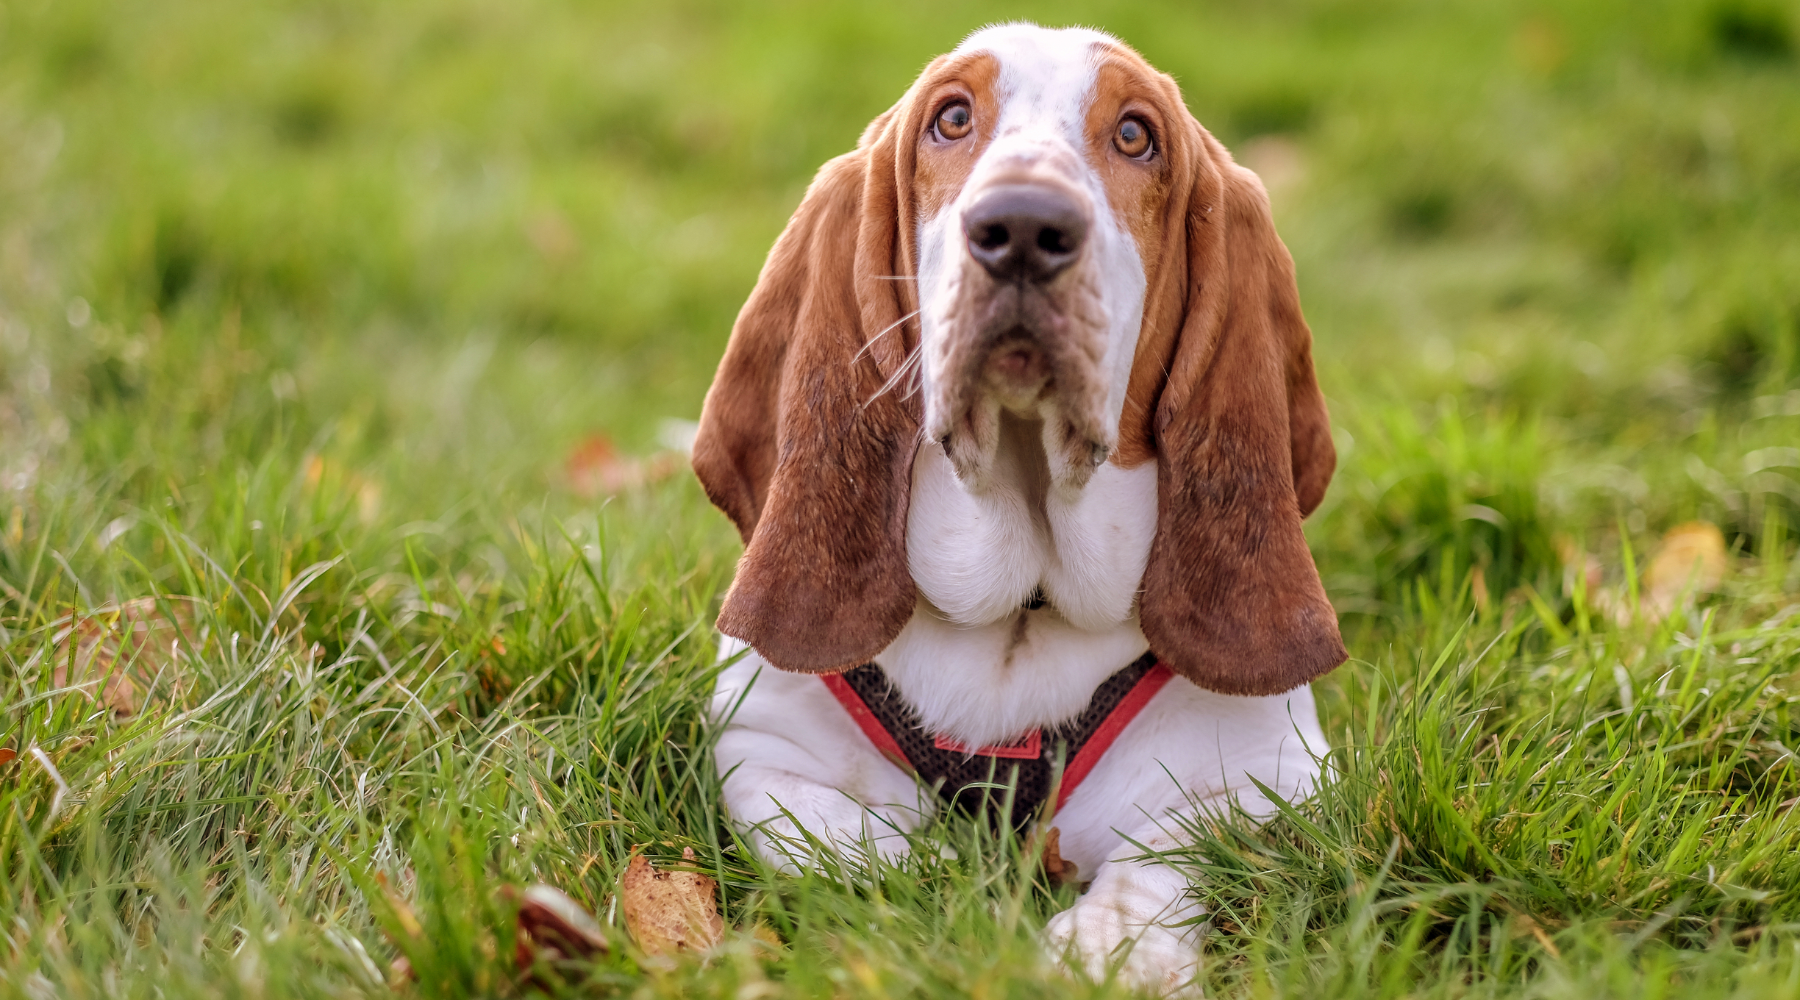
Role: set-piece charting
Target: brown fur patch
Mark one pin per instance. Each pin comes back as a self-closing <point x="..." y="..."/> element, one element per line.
<point x="799" y="445"/>
<point x="1138" y="192"/>
<point x="940" y="168"/>
<point x="1231" y="599"/>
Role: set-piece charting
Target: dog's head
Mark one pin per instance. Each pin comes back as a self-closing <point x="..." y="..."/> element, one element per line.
<point x="1038" y="226"/>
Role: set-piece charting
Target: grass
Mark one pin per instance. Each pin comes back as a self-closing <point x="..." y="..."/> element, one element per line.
<point x="305" y="306"/>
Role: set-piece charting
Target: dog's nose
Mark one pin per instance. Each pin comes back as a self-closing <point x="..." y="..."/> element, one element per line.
<point x="1025" y="232"/>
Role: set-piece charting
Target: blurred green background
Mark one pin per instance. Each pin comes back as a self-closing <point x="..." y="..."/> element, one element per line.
<point x="1548" y="250"/>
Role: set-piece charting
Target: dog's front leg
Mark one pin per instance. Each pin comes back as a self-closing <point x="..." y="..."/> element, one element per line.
<point x="1188" y="756"/>
<point x="795" y="765"/>
<point x="1137" y="916"/>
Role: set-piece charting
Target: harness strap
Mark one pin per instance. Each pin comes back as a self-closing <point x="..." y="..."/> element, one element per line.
<point x="968" y="777"/>
<point x="1089" y="753"/>
<point x="866" y="720"/>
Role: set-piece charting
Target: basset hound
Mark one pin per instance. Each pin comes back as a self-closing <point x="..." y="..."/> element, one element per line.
<point x="1018" y="426"/>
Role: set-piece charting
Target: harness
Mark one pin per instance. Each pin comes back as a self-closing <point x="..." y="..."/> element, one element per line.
<point x="968" y="777"/>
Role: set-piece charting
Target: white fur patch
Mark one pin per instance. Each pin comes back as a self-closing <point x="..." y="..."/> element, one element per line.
<point x="978" y="553"/>
<point x="1045" y="83"/>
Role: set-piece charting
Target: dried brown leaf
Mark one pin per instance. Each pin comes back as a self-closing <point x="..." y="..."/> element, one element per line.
<point x="116" y="654"/>
<point x="765" y="935"/>
<point x="554" y="927"/>
<point x="1523" y="924"/>
<point x="1049" y="853"/>
<point x="1691" y="560"/>
<point x="670" y="911"/>
<point x="595" y="468"/>
<point x="402" y="912"/>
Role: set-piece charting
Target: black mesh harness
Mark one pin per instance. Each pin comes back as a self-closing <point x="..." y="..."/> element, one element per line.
<point x="1043" y="762"/>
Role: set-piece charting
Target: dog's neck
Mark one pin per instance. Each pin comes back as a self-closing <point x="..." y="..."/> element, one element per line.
<point x="977" y="660"/>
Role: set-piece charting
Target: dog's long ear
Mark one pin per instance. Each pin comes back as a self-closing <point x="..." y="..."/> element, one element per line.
<point x="1231" y="597"/>
<point x="806" y="439"/>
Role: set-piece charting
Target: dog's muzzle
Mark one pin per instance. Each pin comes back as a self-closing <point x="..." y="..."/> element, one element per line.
<point x="1024" y="236"/>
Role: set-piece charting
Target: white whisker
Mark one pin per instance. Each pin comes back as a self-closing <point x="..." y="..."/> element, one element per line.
<point x="858" y="356"/>
<point x="907" y="367"/>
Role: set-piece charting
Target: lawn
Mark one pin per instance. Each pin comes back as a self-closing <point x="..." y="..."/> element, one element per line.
<point x="346" y="579"/>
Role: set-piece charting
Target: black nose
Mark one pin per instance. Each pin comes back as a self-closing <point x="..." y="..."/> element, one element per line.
<point x="1025" y="232"/>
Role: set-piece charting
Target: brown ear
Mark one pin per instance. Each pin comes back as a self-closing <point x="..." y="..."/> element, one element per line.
<point x="1231" y="597"/>
<point x="803" y="440"/>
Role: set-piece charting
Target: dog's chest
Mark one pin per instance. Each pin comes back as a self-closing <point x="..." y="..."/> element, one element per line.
<point x="977" y="661"/>
<point x="979" y="557"/>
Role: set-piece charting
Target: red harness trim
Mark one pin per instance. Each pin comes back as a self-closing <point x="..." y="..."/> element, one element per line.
<point x="1121" y="716"/>
<point x="1028" y="747"/>
<point x="865" y="720"/>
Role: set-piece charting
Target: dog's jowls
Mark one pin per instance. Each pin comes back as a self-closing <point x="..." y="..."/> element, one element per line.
<point x="1023" y="391"/>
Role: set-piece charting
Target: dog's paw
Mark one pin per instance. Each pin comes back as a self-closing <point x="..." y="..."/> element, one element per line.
<point x="1100" y="938"/>
<point x="792" y="849"/>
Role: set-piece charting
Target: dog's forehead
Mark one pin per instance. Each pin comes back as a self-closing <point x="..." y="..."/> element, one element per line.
<point x="1046" y="75"/>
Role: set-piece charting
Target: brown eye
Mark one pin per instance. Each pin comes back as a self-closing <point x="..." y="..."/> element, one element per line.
<point x="953" y="122"/>
<point x="1132" y="139"/>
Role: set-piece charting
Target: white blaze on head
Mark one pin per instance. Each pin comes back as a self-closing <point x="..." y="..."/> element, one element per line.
<point x="1044" y="89"/>
<point x="1046" y="80"/>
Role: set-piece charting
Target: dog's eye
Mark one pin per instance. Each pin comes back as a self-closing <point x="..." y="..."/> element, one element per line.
<point x="954" y="121"/>
<point x="1133" y="138"/>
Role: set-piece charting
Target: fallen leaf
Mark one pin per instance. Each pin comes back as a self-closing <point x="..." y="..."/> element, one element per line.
<point x="400" y="970"/>
<point x="670" y="911"/>
<point x="1690" y="561"/>
<point x="595" y="468"/>
<point x="402" y="912"/>
<point x="1059" y="870"/>
<point x="115" y="655"/>
<point x="553" y="927"/>
<point x="1577" y="564"/>
<point x="1523" y="924"/>
<point x="765" y="935"/>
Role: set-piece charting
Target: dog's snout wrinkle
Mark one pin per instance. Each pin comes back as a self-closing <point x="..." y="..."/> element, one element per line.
<point x="1025" y="232"/>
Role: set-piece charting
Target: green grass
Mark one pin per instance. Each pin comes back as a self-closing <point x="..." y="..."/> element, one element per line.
<point x="303" y="307"/>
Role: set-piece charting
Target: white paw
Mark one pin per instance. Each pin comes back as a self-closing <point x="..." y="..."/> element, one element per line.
<point x="783" y="843"/>
<point x="1101" y="938"/>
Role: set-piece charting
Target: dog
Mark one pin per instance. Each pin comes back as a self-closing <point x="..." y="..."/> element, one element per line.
<point x="1019" y="426"/>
